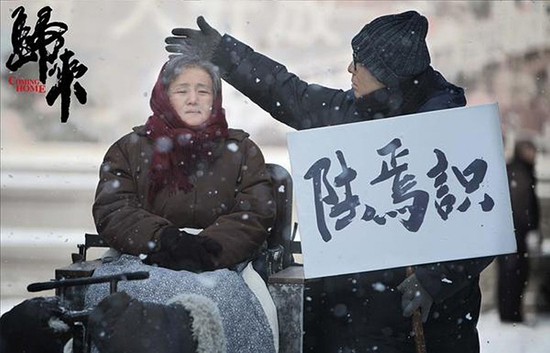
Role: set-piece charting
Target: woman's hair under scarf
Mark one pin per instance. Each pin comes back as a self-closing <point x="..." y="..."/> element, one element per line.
<point x="180" y="147"/>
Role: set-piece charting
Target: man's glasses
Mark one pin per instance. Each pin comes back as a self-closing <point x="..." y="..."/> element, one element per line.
<point x="355" y="60"/>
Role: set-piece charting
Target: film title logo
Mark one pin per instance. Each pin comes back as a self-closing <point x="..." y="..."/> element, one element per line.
<point x="27" y="85"/>
<point x="43" y="45"/>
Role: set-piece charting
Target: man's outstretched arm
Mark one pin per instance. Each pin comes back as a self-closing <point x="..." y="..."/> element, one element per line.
<point x="266" y="82"/>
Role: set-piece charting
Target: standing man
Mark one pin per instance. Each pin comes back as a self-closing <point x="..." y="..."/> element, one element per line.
<point x="391" y="75"/>
<point x="513" y="269"/>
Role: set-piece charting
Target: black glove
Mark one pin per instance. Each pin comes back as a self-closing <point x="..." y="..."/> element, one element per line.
<point x="414" y="297"/>
<point x="180" y="250"/>
<point x="120" y="324"/>
<point x="34" y="326"/>
<point x="205" y="41"/>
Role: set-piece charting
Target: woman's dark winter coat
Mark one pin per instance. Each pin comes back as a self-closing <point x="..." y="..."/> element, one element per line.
<point x="232" y="199"/>
<point x="363" y="310"/>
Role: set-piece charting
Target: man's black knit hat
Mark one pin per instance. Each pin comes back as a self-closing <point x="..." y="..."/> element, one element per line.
<point x="393" y="47"/>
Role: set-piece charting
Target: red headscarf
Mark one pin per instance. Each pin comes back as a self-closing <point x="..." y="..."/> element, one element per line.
<point x="179" y="146"/>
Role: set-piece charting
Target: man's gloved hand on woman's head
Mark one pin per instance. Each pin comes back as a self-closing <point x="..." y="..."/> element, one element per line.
<point x="205" y="40"/>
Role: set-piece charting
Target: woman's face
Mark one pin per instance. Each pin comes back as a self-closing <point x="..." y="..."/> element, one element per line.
<point x="191" y="95"/>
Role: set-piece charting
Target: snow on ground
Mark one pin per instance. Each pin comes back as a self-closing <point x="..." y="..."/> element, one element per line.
<point x="533" y="336"/>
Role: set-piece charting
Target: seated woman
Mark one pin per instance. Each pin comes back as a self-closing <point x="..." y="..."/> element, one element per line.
<point x="185" y="169"/>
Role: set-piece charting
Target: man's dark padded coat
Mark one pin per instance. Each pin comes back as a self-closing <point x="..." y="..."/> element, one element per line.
<point x="362" y="311"/>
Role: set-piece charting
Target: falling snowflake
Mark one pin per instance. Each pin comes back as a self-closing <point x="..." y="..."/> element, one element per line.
<point x="378" y="286"/>
<point x="233" y="147"/>
<point x="340" y="310"/>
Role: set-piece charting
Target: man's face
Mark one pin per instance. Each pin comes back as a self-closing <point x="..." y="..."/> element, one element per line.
<point x="362" y="81"/>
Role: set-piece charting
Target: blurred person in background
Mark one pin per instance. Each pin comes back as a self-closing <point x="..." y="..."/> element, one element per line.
<point x="390" y="75"/>
<point x="513" y="269"/>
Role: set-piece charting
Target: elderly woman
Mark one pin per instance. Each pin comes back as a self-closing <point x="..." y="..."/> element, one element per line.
<point x="183" y="169"/>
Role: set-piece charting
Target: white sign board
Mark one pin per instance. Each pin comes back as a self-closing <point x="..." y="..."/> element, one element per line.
<point x="401" y="191"/>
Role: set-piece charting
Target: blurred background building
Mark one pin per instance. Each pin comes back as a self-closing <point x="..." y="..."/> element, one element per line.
<point x="499" y="51"/>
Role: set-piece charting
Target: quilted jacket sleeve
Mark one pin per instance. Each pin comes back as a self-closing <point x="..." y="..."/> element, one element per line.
<point x="282" y="94"/>
<point x="118" y="213"/>
<point x="246" y="226"/>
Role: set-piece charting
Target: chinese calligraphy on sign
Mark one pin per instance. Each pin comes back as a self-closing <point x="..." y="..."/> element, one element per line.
<point x="401" y="191"/>
<point x="43" y="46"/>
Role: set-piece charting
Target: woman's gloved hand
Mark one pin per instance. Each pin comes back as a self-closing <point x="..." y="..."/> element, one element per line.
<point x="205" y="41"/>
<point x="120" y="324"/>
<point x="180" y="250"/>
<point x="414" y="297"/>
